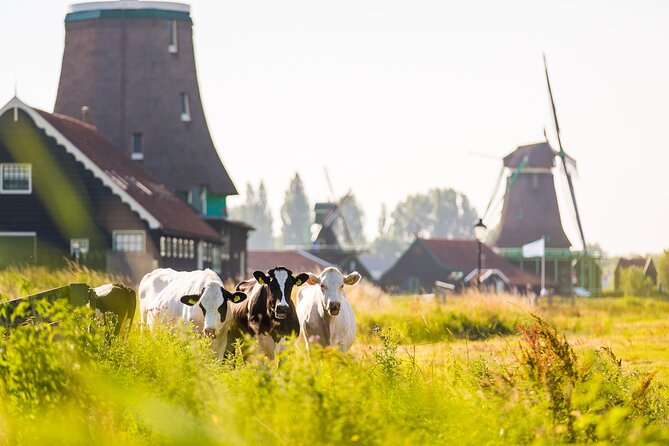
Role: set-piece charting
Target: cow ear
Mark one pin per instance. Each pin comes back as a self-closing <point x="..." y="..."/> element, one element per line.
<point x="237" y="297"/>
<point x="352" y="278"/>
<point x="313" y="279"/>
<point x="301" y="278"/>
<point x="260" y="277"/>
<point x="190" y="300"/>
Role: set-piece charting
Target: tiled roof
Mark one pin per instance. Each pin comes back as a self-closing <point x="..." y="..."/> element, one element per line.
<point x="461" y="255"/>
<point x="173" y="214"/>
<point x="296" y="261"/>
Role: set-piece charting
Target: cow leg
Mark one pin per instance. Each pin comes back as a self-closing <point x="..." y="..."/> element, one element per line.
<point x="268" y="345"/>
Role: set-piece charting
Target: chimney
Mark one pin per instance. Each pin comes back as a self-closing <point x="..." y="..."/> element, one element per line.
<point x="84" y="113"/>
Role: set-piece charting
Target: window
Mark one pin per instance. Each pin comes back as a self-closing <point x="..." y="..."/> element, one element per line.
<point x="184" y="107"/>
<point x="414" y="284"/>
<point x="78" y="246"/>
<point x="137" y="146"/>
<point x="16" y="178"/>
<point x="129" y="241"/>
<point x="172" y="47"/>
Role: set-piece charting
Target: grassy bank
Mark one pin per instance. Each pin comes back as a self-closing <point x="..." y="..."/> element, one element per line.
<point x="518" y="381"/>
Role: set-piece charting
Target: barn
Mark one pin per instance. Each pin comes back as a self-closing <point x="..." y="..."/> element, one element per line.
<point x="455" y="262"/>
<point x="67" y="192"/>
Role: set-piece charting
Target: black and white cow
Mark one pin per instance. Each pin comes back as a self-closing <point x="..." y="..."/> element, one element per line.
<point x="196" y="297"/>
<point x="269" y="312"/>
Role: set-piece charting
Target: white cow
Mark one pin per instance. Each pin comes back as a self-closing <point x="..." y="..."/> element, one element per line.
<point x="167" y="294"/>
<point x="324" y="313"/>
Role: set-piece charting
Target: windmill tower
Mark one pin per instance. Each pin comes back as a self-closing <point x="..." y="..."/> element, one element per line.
<point x="130" y="66"/>
<point x="531" y="211"/>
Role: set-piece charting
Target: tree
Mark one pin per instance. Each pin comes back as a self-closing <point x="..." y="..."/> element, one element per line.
<point x="355" y="220"/>
<point x="255" y="211"/>
<point x="443" y="213"/>
<point x="663" y="269"/>
<point x="295" y="214"/>
<point x="383" y="220"/>
<point x="439" y="213"/>
<point x="633" y="282"/>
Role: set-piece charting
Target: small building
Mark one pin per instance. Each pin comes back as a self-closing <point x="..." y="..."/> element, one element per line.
<point x="66" y="191"/>
<point x="294" y="260"/>
<point x="645" y="264"/>
<point x="454" y="262"/>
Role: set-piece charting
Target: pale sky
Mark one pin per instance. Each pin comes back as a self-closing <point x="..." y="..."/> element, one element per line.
<point x="393" y="96"/>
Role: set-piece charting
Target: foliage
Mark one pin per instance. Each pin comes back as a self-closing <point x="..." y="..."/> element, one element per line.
<point x="633" y="282"/>
<point x="355" y="221"/>
<point x="256" y="212"/>
<point x="663" y="269"/>
<point x="295" y="214"/>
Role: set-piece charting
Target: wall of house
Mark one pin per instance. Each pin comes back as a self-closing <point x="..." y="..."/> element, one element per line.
<point x="66" y="202"/>
<point x="415" y="269"/>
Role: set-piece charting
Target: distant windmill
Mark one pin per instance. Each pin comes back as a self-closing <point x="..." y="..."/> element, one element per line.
<point x="329" y="221"/>
<point x="530" y="210"/>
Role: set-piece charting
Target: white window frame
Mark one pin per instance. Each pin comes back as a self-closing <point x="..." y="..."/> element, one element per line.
<point x="129" y="232"/>
<point x="84" y="245"/>
<point x="185" y="113"/>
<point x="173" y="46"/>
<point x="137" y="156"/>
<point x="13" y="191"/>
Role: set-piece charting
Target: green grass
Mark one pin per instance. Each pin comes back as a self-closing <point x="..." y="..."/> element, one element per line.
<point x="475" y="370"/>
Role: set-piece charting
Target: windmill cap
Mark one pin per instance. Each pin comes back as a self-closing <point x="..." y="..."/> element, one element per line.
<point x="128" y="5"/>
<point x="539" y="155"/>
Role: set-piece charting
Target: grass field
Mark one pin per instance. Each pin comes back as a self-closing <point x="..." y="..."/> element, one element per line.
<point x="477" y="370"/>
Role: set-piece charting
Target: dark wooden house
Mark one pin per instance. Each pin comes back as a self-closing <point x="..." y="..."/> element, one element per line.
<point x="645" y="264"/>
<point x="295" y="260"/>
<point x="66" y="191"/>
<point x="452" y="261"/>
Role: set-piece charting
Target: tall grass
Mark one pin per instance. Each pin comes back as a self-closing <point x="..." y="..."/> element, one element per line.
<point x="66" y="383"/>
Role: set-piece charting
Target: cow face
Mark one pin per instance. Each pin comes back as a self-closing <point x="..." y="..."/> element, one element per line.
<point x="280" y="281"/>
<point x="213" y="301"/>
<point x="332" y="283"/>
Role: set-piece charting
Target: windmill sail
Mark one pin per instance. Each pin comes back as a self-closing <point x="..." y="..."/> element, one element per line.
<point x="563" y="157"/>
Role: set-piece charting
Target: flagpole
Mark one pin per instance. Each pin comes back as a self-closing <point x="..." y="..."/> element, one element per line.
<point x="543" y="264"/>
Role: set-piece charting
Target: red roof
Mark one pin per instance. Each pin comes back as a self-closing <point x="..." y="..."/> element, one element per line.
<point x="296" y="261"/>
<point x="461" y="255"/>
<point x="172" y="213"/>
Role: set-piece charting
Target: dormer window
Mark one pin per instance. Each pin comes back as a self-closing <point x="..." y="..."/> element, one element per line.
<point x="172" y="47"/>
<point x="184" y="107"/>
<point x="137" y="146"/>
<point x="16" y="178"/>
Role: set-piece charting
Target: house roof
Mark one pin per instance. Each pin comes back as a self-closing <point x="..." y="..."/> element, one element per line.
<point x="296" y="261"/>
<point x="638" y="262"/>
<point x="461" y="255"/>
<point x="133" y="184"/>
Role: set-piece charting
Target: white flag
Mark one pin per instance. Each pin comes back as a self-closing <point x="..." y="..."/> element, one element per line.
<point x="534" y="249"/>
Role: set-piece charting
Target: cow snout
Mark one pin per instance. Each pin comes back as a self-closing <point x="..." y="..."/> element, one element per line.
<point x="334" y="307"/>
<point x="210" y="332"/>
<point x="281" y="311"/>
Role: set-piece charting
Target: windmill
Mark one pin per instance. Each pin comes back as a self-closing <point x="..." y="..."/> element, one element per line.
<point x="530" y="210"/>
<point x="330" y="229"/>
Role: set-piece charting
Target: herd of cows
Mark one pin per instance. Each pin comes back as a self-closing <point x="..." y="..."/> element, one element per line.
<point x="260" y="307"/>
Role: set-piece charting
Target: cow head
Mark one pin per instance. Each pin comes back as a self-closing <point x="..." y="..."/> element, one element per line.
<point x="280" y="281"/>
<point x="213" y="301"/>
<point x="332" y="283"/>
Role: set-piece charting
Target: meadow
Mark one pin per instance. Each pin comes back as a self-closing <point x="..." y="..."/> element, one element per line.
<point x="476" y="369"/>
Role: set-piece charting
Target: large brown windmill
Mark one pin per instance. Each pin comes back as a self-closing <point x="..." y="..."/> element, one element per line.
<point x="531" y="210"/>
<point x="129" y="69"/>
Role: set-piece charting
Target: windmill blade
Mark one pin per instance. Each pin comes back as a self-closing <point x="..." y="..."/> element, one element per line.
<point x="495" y="193"/>
<point x="563" y="157"/>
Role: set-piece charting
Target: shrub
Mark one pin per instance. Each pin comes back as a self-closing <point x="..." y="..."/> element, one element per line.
<point x="633" y="282"/>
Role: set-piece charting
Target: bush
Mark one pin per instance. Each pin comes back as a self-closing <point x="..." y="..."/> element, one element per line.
<point x="633" y="282"/>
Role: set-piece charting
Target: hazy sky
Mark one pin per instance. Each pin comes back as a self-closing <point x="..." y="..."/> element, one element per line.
<point x="393" y="96"/>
